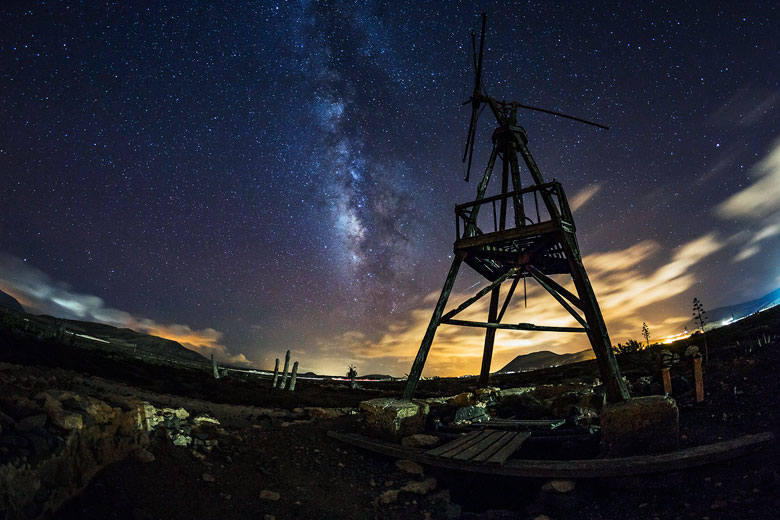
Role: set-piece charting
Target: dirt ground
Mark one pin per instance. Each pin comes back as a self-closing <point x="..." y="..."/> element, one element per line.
<point x="284" y="467"/>
<point x="317" y="477"/>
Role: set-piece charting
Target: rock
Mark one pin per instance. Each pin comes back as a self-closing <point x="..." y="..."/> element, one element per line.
<point x="99" y="411"/>
<point x="420" y="440"/>
<point x="67" y="420"/>
<point x="14" y="441"/>
<point x="463" y="399"/>
<point x="179" y="413"/>
<point x="640" y="425"/>
<point x="691" y="351"/>
<point x="559" y="486"/>
<point x="477" y="413"/>
<point x="181" y="440"/>
<point x="204" y="419"/>
<point x="57" y="415"/>
<point x="325" y="414"/>
<point x="420" y="488"/>
<point x="408" y="466"/>
<point x="39" y="445"/>
<point x="33" y="422"/>
<point x="389" y="496"/>
<point x="393" y="418"/>
<point x="521" y="404"/>
<point x="509" y="392"/>
<point x="719" y="504"/>
<point x="143" y="455"/>
<point x="267" y="494"/>
<point x="208" y="478"/>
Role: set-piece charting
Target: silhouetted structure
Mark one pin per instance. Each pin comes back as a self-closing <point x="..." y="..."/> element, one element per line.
<point x="521" y="237"/>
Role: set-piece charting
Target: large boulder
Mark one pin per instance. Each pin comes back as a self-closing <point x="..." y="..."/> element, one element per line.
<point x="393" y="418"/>
<point x="474" y="414"/>
<point x="640" y="425"/>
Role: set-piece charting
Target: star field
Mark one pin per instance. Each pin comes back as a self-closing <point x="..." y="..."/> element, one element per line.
<point x="283" y="173"/>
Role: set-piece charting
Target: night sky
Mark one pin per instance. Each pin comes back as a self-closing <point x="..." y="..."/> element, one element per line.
<point x="251" y="178"/>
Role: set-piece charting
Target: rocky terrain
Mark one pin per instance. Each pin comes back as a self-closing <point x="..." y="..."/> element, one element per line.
<point x="90" y="436"/>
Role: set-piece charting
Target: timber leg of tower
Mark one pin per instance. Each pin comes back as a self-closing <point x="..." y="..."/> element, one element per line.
<point x="597" y="332"/>
<point x="490" y="338"/>
<point x="425" y="346"/>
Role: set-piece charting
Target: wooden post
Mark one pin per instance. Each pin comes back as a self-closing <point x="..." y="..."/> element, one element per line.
<point x="276" y="374"/>
<point x="490" y="337"/>
<point x="667" y="379"/>
<point x="698" y="379"/>
<point x="294" y="376"/>
<point x="284" y="373"/>
<point x="214" y="367"/>
<point x="597" y="332"/>
<point x="425" y="346"/>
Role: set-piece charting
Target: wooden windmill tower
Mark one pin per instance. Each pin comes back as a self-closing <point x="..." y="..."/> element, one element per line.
<point x="527" y="232"/>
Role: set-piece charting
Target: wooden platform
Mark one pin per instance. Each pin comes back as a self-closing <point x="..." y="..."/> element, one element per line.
<point x="590" y="468"/>
<point x="516" y="424"/>
<point x="492" y="446"/>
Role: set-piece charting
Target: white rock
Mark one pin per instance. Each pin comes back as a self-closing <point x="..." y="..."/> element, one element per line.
<point x="408" y="466"/>
<point x="559" y="486"/>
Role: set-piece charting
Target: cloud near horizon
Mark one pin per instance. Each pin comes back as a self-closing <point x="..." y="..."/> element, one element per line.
<point x="37" y="292"/>
<point x="757" y="204"/>
<point x="623" y="288"/>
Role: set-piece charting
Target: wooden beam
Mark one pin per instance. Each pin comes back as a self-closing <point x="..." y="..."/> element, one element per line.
<point x="543" y="228"/>
<point x="560" y="299"/>
<point x="616" y="388"/>
<point x="425" y="346"/>
<point x="576" y="469"/>
<point x="508" y="299"/>
<point x="513" y="326"/>
<point x="466" y="205"/>
<point x="490" y="338"/>
<point x="555" y="285"/>
<point x="498" y="281"/>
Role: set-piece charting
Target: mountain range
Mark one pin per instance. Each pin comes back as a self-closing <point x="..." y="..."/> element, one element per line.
<point x="545" y="359"/>
<point x="722" y="315"/>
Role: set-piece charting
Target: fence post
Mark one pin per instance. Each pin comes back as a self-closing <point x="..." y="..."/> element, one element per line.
<point x="294" y="376"/>
<point x="666" y="377"/>
<point x="214" y="367"/>
<point x="283" y="384"/>
<point x="276" y="374"/>
<point x="698" y="378"/>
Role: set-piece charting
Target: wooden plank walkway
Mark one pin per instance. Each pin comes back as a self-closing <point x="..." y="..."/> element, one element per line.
<point x="493" y="446"/>
<point x="589" y="468"/>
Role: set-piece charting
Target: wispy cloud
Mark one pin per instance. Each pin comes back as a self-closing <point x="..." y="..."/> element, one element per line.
<point x="760" y="199"/>
<point x="622" y="283"/>
<point x="757" y="205"/>
<point x="583" y="196"/>
<point x="37" y="292"/>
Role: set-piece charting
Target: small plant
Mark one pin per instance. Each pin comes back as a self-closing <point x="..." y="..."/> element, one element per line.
<point x="630" y="347"/>
<point x="646" y="333"/>
<point x="700" y="317"/>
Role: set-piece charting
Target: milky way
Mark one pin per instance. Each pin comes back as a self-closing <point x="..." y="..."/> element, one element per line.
<point x="282" y="175"/>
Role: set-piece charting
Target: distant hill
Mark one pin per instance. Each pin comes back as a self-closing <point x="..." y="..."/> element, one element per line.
<point x="545" y="359"/>
<point x="106" y="337"/>
<point x="9" y="302"/>
<point x="717" y="317"/>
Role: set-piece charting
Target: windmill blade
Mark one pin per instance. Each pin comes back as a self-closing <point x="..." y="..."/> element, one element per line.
<point x="476" y="98"/>
<point x="470" y="141"/>
<point x="478" y="79"/>
<point x="474" y="51"/>
<point x="470" y="133"/>
<point x="561" y="114"/>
